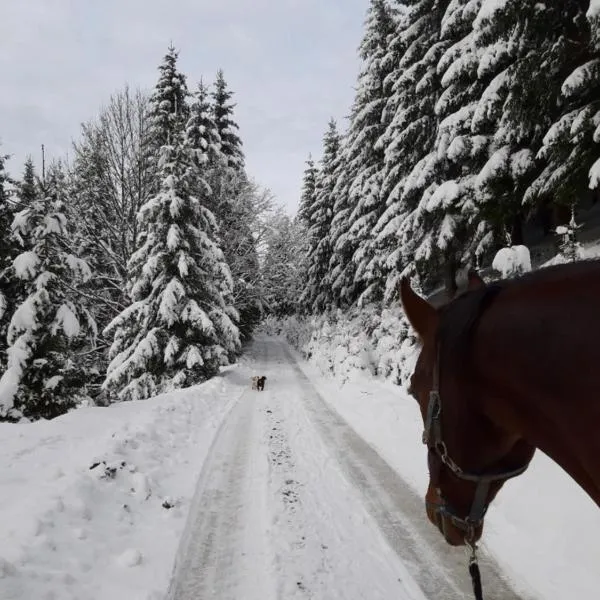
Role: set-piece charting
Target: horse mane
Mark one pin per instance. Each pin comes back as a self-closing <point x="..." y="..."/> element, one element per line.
<point x="460" y="317"/>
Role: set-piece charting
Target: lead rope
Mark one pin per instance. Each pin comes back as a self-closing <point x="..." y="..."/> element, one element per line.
<point x="474" y="573"/>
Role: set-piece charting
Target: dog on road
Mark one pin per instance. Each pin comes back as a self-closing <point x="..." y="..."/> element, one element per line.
<point x="258" y="382"/>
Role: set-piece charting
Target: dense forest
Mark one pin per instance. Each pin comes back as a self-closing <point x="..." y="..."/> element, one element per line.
<point x="133" y="269"/>
<point x="471" y="119"/>
<point x="145" y="262"/>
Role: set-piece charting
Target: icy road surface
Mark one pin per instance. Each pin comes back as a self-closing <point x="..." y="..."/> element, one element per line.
<point x="292" y="503"/>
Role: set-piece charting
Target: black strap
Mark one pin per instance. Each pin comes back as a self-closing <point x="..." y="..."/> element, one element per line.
<point x="475" y="578"/>
<point x="479" y="506"/>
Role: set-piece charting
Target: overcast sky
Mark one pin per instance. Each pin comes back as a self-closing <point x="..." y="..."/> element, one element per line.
<point x="291" y="63"/>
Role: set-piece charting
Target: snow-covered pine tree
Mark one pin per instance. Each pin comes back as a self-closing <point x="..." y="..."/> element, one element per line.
<point x="202" y="130"/>
<point x="234" y="200"/>
<point x="170" y="91"/>
<point x="42" y="379"/>
<point x="365" y="152"/>
<point x="317" y="296"/>
<point x="205" y="142"/>
<point x="411" y="134"/>
<point x="593" y="16"/>
<point x="570" y="147"/>
<point x="302" y="222"/>
<point x="444" y="228"/>
<point x="6" y="244"/>
<point x="395" y="84"/>
<point x="231" y="144"/>
<point x="392" y="170"/>
<point x="181" y="325"/>
<point x="27" y="187"/>
<point x="526" y="48"/>
<point x="12" y="288"/>
<point x="341" y="267"/>
<point x="8" y="252"/>
<point x="307" y="197"/>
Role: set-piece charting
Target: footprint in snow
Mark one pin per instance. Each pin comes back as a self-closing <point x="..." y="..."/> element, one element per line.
<point x="130" y="558"/>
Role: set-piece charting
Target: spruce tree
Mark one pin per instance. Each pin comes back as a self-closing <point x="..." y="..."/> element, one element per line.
<point x="445" y="228"/>
<point x="365" y="153"/>
<point x="234" y="196"/>
<point x="42" y="379"/>
<point x="27" y="187"/>
<point x="307" y="197"/>
<point x="410" y="136"/>
<point x="317" y="296"/>
<point x="6" y="244"/>
<point x="593" y="16"/>
<point x="204" y="140"/>
<point x="12" y="289"/>
<point x="181" y="325"/>
<point x="202" y="130"/>
<point x="168" y="108"/>
<point x="231" y="144"/>
<point x="341" y="267"/>
<point x="570" y="146"/>
<point x="8" y="252"/>
<point x="526" y="48"/>
<point x="303" y="223"/>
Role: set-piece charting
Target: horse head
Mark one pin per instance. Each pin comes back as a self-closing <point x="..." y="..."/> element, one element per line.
<point x="469" y="456"/>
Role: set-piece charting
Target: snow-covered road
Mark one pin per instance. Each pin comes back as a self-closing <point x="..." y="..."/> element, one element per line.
<point x="293" y="503"/>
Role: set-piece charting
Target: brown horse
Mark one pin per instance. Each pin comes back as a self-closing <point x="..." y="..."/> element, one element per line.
<point x="504" y="369"/>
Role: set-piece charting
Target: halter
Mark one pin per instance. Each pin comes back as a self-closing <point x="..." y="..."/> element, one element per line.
<point x="432" y="437"/>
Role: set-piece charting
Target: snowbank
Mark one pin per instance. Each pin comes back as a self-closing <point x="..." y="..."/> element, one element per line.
<point x="93" y="503"/>
<point x="371" y="340"/>
<point x="542" y="528"/>
<point x="512" y="261"/>
<point x="594" y="9"/>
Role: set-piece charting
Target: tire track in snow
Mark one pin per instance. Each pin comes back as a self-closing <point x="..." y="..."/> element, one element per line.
<point x="222" y="547"/>
<point x="440" y="570"/>
<point x="289" y="517"/>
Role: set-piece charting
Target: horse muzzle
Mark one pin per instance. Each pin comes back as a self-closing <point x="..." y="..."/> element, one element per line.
<point x="456" y="530"/>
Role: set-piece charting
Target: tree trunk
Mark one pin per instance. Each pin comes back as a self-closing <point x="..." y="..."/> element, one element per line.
<point x="561" y="214"/>
<point x="545" y="215"/>
<point x="516" y="232"/>
<point x="450" y="269"/>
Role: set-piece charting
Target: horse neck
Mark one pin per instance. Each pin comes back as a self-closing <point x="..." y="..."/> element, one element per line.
<point x="528" y="390"/>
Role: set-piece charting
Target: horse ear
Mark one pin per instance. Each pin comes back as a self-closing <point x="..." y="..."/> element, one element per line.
<point x="474" y="280"/>
<point x="420" y="314"/>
